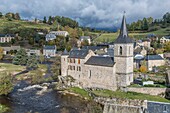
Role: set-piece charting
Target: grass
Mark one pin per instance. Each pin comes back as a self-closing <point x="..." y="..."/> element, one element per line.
<point x="15" y="24"/>
<point x="129" y="95"/>
<point x="79" y="91"/>
<point x="11" y="68"/>
<point x="110" y="37"/>
<point x="3" y="108"/>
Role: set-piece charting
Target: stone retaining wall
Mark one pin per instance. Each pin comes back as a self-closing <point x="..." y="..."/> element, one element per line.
<point x="149" y="90"/>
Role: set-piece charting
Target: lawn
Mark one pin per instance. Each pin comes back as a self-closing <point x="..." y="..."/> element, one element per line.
<point x="129" y="95"/>
<point x="10" y="68"/>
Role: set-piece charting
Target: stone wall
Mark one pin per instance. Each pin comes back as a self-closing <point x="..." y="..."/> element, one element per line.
<point x="150" y="91"/>
<point x="117" y="105"/>
<point x="99" y="76"/>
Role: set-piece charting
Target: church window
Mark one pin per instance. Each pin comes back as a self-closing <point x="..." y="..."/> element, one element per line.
<point x="120" y="51"/>
<point x="64" y="59"/>
<point x="89" y="73"/>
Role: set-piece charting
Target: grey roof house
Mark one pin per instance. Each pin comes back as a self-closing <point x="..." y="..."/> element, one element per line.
<point x="49" y="51"/>
<point x="50" y="37"/>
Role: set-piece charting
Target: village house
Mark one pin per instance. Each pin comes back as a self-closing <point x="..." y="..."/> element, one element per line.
<point x="49" y="37"/>
<point x="144" y="42"/>
<point x="154" y="60"/>
<point x="105" y="72"/>
<point x="6" y="38"/>
<point x="37" y="52"/>
<point x="164" y="39"/>
<point x="152" y="37"/>
<point x="60" y="33"/>
<point x="140" y="50"/>
<point x="49" y="51"/>
<point x="9" y="49"/>
<point x="87" y="38"/>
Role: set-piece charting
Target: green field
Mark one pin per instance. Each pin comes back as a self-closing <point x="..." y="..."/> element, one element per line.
<point x="110" y="37"/>
<point x="17" y="24"/>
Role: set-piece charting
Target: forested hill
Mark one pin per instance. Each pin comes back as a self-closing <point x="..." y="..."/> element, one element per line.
<point x="150" y="24"/>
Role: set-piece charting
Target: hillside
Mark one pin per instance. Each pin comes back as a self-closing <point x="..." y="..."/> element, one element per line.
<point x="109" y="37"/>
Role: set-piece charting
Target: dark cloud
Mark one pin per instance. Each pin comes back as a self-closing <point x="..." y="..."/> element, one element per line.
<point x="92" y="13"/>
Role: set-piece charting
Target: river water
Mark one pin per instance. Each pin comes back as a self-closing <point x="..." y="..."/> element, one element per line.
<point x="25" y="99"/>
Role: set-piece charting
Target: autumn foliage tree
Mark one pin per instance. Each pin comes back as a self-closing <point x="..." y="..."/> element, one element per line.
<point x="143" y="69"/>
<point x="1" y="53"/>
<point x="167" y="47"/>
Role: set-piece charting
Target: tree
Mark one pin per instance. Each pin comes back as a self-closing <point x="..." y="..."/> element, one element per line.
<point x="50" y="20"/>
<point x="143" y="69"/>
<point x="1" y="14"/>
<point x="20" y="57"/>
<point x="45" y="19"/>
<point x="167" y="47"/>
<point x="17" y="16"/>
<point x="145" y="24"/>
<point x="1" y="53"/>
<point x="56" y="68"/>
<point x="6" y="85"/>
<point x="41" y="58"/>
<point x="32" y="62"/>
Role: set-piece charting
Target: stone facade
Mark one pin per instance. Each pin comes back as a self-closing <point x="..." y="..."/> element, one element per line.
<point x="152" y="63"/>
<point x="105" y="72"/>
<point x="124" y="63"/>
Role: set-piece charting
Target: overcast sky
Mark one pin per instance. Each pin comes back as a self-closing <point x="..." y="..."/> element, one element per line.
<point x="91" y="13"/>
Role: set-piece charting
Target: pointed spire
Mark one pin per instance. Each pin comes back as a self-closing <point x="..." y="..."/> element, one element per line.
<point x="123" y="36"/>
<point x="123" y="30"/>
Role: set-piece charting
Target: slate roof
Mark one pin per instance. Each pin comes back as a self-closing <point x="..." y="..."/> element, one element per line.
<point x="100" y="61"/>
<point x="52" y="36"/>
<point x="76" y="53"/>
<point x="167" y="37"/>
<point x="8" y="35"/>
<point x="123" y="36"/>
<point x="93" y="48"/>
<point x="153" y="57"/>
<point x="65" y="52"/>
<point x="47" y="47"/>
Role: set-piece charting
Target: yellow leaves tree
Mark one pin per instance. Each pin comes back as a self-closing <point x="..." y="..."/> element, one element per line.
<point x="143" y="69"/>
<point x="1" y="53"/>
<point x="167" y="47"/>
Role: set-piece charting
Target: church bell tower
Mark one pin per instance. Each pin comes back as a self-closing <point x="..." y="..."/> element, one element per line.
<point x="123" y="56"/>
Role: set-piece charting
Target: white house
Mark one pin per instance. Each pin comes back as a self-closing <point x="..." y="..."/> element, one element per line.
<point x="83" y="38"/>
<point x="165" y="39"/>
<point x="49" y="51"/>
<point x="60" y="33"/>
<point x="6" y="38"/>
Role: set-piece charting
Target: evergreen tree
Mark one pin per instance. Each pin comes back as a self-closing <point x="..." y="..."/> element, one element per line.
<point x="50" y="20"/>
<point x="32" y="62"/>
<point x="1" y="14"/>
<point x="145" y="24"/>
<point x="20" y="57"/>
<point x="45" y="20"/>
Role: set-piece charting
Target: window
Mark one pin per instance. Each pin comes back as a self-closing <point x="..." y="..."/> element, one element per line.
<point x="89" y="73"/>
<point x="73" y="67"/>
<point x="78" y="61"/>
<point x="64" y="59"/>
<point x="79" y="68"/>
<point x="129" y="50"/>
<point x="120" y="51"/>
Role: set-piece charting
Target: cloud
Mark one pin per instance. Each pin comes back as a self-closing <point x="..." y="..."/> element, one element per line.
<point x="91" y="13"/>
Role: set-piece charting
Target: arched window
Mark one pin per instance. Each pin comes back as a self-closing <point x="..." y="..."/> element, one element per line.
<point x="120" y="50"/>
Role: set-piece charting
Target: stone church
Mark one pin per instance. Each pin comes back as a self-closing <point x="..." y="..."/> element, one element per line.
<point x="105" y="72"/>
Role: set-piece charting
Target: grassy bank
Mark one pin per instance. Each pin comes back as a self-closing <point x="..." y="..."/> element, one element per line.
<point x="79" y="91"/>
<point x="3" y="108"/>
<point x="117" y="94"/>
<point x="128" y="95"/>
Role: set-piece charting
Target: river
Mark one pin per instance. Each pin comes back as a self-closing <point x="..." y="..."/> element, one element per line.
<point x="26" y="99"/>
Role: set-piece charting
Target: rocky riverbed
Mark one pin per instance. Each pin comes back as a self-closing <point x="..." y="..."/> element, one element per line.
<point x="42" y="98"/>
